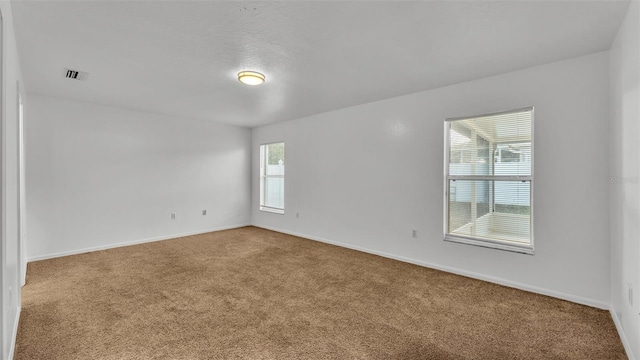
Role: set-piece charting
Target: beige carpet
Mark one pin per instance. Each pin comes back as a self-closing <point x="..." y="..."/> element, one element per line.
<point x="250" y="293"/>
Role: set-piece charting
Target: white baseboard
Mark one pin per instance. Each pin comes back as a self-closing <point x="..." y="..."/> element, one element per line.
<point x="134" y="242"/>
<point x="623" y="337"/>
<point x="471" y="274"/>
<point x="14" y="335"/>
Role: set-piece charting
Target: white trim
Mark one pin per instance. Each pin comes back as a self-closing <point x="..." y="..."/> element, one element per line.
<point x="470" y="274"/>
<point x="22" y="216"/>
<point x="134" y="242"/>
<point x="528" y="108"/>
<point x="14" y="336"/>
<point x="491" y="243"/>
<point x="490" y="177"/>
<point x="623" y="338"/>
<point x="272" y="210"/>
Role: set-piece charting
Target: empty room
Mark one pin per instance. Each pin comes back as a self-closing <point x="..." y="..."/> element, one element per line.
<point x="320" y="179"/>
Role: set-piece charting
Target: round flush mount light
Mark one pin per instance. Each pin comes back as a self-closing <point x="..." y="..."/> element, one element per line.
<point x="250" y="78"/>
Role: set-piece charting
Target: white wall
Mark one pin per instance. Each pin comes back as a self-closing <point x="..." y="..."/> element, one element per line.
<point x="625" y="173"/>
<point x="100" y="176"/>
<point x="365" y="176"/>
<point x="10" y="292"/>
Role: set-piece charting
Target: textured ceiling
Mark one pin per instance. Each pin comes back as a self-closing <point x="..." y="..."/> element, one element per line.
<point x="182" y="57"/>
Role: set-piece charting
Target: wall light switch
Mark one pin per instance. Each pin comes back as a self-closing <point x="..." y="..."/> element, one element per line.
<point x="204" y="212"/>
<point x="173" y="216"/>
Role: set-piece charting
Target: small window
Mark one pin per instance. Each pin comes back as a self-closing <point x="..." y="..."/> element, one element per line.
<point x="489" y="180"/>
<point x="272" y="177"/>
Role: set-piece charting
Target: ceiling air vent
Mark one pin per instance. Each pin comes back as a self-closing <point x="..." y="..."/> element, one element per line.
<point x="75" y="74"/>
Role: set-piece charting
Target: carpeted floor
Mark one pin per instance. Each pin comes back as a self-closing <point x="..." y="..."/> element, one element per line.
<point x="250" y="293"/>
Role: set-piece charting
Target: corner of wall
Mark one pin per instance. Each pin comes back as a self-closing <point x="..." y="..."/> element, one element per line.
<point x="10" y="293"/>
<point x="624" y="166"/>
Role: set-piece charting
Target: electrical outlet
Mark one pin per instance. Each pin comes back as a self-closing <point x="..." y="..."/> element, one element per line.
<point x="414" y="233"/>
<point x="630" y="294"/>
<point x="297" y="215"/>
<point x="204" y="212"/>
<point x="173" y="216"/>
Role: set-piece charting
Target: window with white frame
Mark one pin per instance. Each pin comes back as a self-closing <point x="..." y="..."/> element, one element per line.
<point x="272" y="177"/>
<point x="489" y="180"/>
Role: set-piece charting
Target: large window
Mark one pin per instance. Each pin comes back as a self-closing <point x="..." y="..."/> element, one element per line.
<point x="489" y="180"/>
<point x="272" y="177"/>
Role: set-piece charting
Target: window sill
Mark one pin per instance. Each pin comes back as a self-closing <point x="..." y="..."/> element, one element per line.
<point x="272" y="210"/>
<point x="493" y="244"/>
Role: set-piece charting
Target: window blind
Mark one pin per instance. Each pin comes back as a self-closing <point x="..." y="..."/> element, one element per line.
<point x="489" y="177"/>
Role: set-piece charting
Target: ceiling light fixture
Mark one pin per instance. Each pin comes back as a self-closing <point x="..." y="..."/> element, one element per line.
<point x="250" y="77"/>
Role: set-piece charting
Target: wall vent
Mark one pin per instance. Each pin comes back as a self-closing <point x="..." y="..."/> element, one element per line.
<point x="75" y="74"/>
